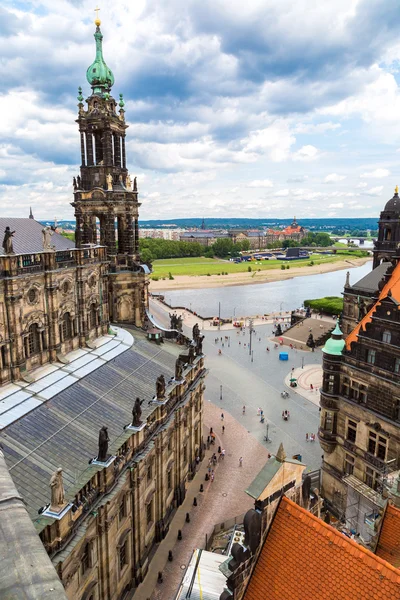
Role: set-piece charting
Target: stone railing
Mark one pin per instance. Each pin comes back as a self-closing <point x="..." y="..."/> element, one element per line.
<point x="19" y="264"/>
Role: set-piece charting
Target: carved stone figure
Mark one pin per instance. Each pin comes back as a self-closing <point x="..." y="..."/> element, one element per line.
<point x="47" y="232"/>
<point x="160" y="386"/>
<point x="128" y="183"/>
<point x="179" y="323"/>
<point x="191" y="355"/>
<point x="135" y="185"/>
<point x="362" y="309"/>
<point x="109" y="181"/>
<point x="199" y="345"/>
<point x="178" y="369"/>
<point x="74" y="183"/>
<point x="195" y="332"/>
<point x="57" y="491"/>
<point x="173" y="319"/>
<point x="78" y="181"/>
<point x="137" y="412"/>
<point x="7" y="241"/>
<point x="310" y="342"/>
<point x="103" y="444"/>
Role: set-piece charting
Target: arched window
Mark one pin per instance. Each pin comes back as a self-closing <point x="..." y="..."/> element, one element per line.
<point x="386" y="337"/>
<point x="33" y="339"/>
<point x="67" y="327"/>
<point x="93" y="316"/>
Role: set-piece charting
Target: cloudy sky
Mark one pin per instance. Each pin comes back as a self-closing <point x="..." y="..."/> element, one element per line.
<point x="253" y="109"/>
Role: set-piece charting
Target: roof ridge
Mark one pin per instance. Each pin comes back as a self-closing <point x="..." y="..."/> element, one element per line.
<point x="394" y="279"/>
<point x="363" y="551"/>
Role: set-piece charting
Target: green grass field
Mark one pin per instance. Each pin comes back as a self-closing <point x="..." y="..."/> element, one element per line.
<point x="212" y="266"/>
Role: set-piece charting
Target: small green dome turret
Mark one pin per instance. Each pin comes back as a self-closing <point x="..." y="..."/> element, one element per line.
<point x="336" y="343"/>
<point x="99" y="76"/>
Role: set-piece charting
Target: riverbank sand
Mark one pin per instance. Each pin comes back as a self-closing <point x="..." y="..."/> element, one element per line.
<point x="183" y="282"/>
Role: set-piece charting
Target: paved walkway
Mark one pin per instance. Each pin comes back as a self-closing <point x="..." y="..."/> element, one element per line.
<point x="221" y="500"/>
<point x="309" y="375"/>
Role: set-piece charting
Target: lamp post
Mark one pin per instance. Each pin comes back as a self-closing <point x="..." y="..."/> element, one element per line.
<point x="219" y="316"/>
<point x="302" y="362"/>
<point x="251" y="333"/>
<point x="220" y="393"/>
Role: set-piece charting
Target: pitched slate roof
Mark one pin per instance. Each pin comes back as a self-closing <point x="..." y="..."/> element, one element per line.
<point x="28" y="236"/>
<point x="388" y="546"/>
<point x="391" y="288"/>
<point x="370" y="282"/>
<point x="107" y="396"/>
<point x="303" y="557"/>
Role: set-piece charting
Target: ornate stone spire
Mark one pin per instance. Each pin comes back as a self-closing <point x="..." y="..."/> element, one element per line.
<point x="31" y="213"/>
<point x="99" y="76"/>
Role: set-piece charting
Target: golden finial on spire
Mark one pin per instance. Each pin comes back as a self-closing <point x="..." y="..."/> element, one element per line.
<point x="396" y="189"/>
<point x="97" y="20"/>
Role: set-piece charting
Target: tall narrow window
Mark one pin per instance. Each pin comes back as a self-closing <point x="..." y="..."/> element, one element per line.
<point x="351" y="431"/>
<point x="371" y="357"/>
<point x="67" y="327"/>
<point x="93" y="316"/>
<point x="397" y="365"/>
<point x="33" y="339"/>
<point x="349" y="464"/>
<point x="386" y="337"/>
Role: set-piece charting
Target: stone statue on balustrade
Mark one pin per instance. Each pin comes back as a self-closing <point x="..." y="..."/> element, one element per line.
<point x="47" y="233"/>
<point x="128" y="183"/>
<point x="178" y="369"/>
<point x="199" y="345"/>
<point x="57" y="491"/>
<point x="160" y="386"/>
<point x="195" y="332"/>
<point x="109" y="181"/>
<point x="7" y="241"/>
<point x="103" y="445"/>
<point x="191" y="354"/>
<point x="137" y="413"/>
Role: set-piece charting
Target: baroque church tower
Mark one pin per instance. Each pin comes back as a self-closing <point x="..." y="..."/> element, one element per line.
<point x="105" y="197"/>
<point x="389" y="231"/>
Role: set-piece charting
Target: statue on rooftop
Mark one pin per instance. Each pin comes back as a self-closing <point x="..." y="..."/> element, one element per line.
<point x="199" y="345"/>
<point x="191" y="354"/>
<point x="78" y="182"/>
<point x="103" y="444"/>
<point x="135" y="184"/>
<point x="195" y="331"/>
<point x="128" y="182"/>
<point x="47" y="232"/>
<point x="74" y="183"/>
<point x="57" y="491"/>
<point x="173" y="318"/>
<point x="137" y="412"/>
<point x="7" y="241"/>
<point x="160" y="386"/>
<point x="178" y="369"/>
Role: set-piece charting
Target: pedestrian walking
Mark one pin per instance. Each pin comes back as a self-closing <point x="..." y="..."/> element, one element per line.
<point x="241" y="461"/>
<point x="212" y="476"/>
<point x="222" y="416"/>
<point x="306" y="437"/>
<point x="244" y="410"/>
<point x="223" y="428"/>
<point x="258" y="411"/>
<point x="311" y="387"/>
<point x="223" y="453"/>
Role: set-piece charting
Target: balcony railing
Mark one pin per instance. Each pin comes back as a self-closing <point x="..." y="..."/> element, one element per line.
<point x="19" y="264"/>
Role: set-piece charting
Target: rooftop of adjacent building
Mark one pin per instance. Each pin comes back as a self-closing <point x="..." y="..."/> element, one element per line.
<point x="303" y="556"/>
<point x="388" y="546"/>
<point x="390" y="289"/>
<point x="28" y="237"/>
<point x="69" y="412"/>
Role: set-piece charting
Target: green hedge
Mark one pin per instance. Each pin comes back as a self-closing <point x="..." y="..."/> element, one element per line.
<point x="332" y="305"/>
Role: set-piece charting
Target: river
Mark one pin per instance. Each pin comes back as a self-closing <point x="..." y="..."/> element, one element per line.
<point x="264" y="298"/>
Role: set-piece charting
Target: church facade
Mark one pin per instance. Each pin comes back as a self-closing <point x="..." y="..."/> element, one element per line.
<point x="56" y="295"/>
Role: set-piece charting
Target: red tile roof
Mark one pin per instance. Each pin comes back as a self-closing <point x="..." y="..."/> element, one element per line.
<point x="392" y="286"/>
<point x="388" y="546"/>
<point x="303" y="557"/>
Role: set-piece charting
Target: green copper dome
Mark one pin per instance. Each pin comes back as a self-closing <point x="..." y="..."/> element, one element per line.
<point x="99" y="76"/>
<point x="336" y="343"/>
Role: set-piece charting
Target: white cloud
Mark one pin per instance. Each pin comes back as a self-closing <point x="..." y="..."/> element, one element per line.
<point x="306" y="153"/>
<point x="376" y="191"/>
<point x="334" y="178"/>
<point x="282" y="193"/>
<point x="361" y="185"/>
<point x="316" y="128"/>
<point x="261" y="183"/>
<point x="336" y="205"/>
<point x="375" y="174"/>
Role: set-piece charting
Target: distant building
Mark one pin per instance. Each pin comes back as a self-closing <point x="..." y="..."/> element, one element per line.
<point x="162" y="234"/>
<point x="205" y="237"/>
<point x="294" y="231"/>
